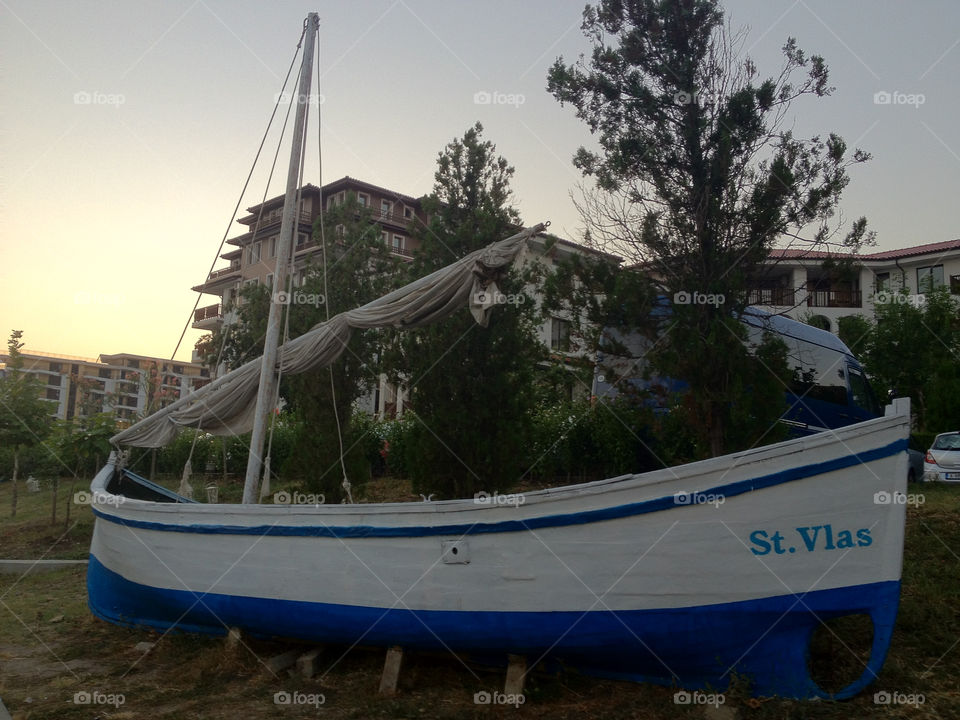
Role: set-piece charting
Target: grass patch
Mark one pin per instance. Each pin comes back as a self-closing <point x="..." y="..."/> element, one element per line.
<point x="46" y="659"/>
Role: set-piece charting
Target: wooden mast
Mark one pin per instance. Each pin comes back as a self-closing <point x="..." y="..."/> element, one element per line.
<point x="288" y="227"/>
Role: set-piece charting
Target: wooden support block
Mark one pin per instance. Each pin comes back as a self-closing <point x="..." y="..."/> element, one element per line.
<point x="516" y="675"/>
<point x="391" y="671"/>
<point x="281" y="662"/>
<point x="308" y="664"/>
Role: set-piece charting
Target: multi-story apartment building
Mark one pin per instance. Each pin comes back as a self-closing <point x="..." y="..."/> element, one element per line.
<point x="254" y="257"/>
<point x="126" y="384"/>
<point x="801" y="285"/>
<point x="253" y="261"/>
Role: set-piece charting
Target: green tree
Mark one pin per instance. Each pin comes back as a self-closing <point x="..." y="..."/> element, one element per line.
<point x="24" y="416"/>
<point x="854" y="331"/>
<point x="360" y="268"/>
<point x="472" y="388"/>
<point x="696" y="179"/>
<point x="80" y="445"/>
<point x="914" y="351"/>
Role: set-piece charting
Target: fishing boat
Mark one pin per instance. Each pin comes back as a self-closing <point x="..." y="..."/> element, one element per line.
<point x="685" y="576"/>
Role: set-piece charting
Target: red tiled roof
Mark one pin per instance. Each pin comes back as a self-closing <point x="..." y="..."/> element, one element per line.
<point x="883" y="255"/>
<point x="915" y="250"/>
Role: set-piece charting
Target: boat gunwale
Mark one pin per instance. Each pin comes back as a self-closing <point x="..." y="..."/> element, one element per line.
<point x="341" y="520"/>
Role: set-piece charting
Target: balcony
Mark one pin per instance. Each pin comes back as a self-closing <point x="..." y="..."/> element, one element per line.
<point x="791" y="297"/>
<point x="219" y="279"/>
<point x="223" y="272"/>
<point x="394" y="218"/>
<point x="208" y="318"/>
<point x="402" y="252"/>
<point x="272" y="218"/>
<point x="774" y="297"/>
<point x="834" y="298"/>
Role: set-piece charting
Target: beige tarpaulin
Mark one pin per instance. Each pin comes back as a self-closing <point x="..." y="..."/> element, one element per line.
<point x="228" y="404"/>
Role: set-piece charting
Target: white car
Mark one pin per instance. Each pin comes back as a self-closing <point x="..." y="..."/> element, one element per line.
<point x="942" y="461"/>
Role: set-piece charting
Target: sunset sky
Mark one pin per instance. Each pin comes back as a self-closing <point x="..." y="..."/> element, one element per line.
<point x="127" y="129"/>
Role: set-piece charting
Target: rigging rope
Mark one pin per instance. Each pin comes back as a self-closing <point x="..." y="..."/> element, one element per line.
<point x="345" y="484"/>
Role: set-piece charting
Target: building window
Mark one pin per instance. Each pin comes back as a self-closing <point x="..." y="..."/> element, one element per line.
<point x="955" y="284"/>
<point x="882" y="282"/>
<point x="53" y="380"/>
<point x="398" y="243"/>
<point x="178" y="369"/>
<point x="54" y="367"/>
<point x="301" y="239"/>
<point x="559" y="335"/>
<point x="929" y="278"/>
<point x="269" y="281"/>
<point x="407" y="213"/>
<point x="53" y="393"/>
<point x="255" y="253"/>
<point x="363" y="200"/>
<point x="273" y="246"/>
<point x="104" y="373"/>
<point x="385" y="208"/>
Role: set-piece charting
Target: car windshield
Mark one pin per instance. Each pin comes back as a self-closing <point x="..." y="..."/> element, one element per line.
<point x="947" y="442"/>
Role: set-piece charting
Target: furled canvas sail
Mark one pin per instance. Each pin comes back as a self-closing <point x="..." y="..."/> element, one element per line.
<point x="227" y="405"/>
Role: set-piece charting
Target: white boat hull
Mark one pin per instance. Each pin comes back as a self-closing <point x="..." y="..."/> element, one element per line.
<point x="625" y="577"/>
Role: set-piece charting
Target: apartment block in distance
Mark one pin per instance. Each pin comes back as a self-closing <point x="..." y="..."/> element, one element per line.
<point x="126" y="384"/>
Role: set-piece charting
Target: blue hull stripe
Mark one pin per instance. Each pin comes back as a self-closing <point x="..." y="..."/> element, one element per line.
<point x="697" y="647"/>
<point x="579" y="518"/>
